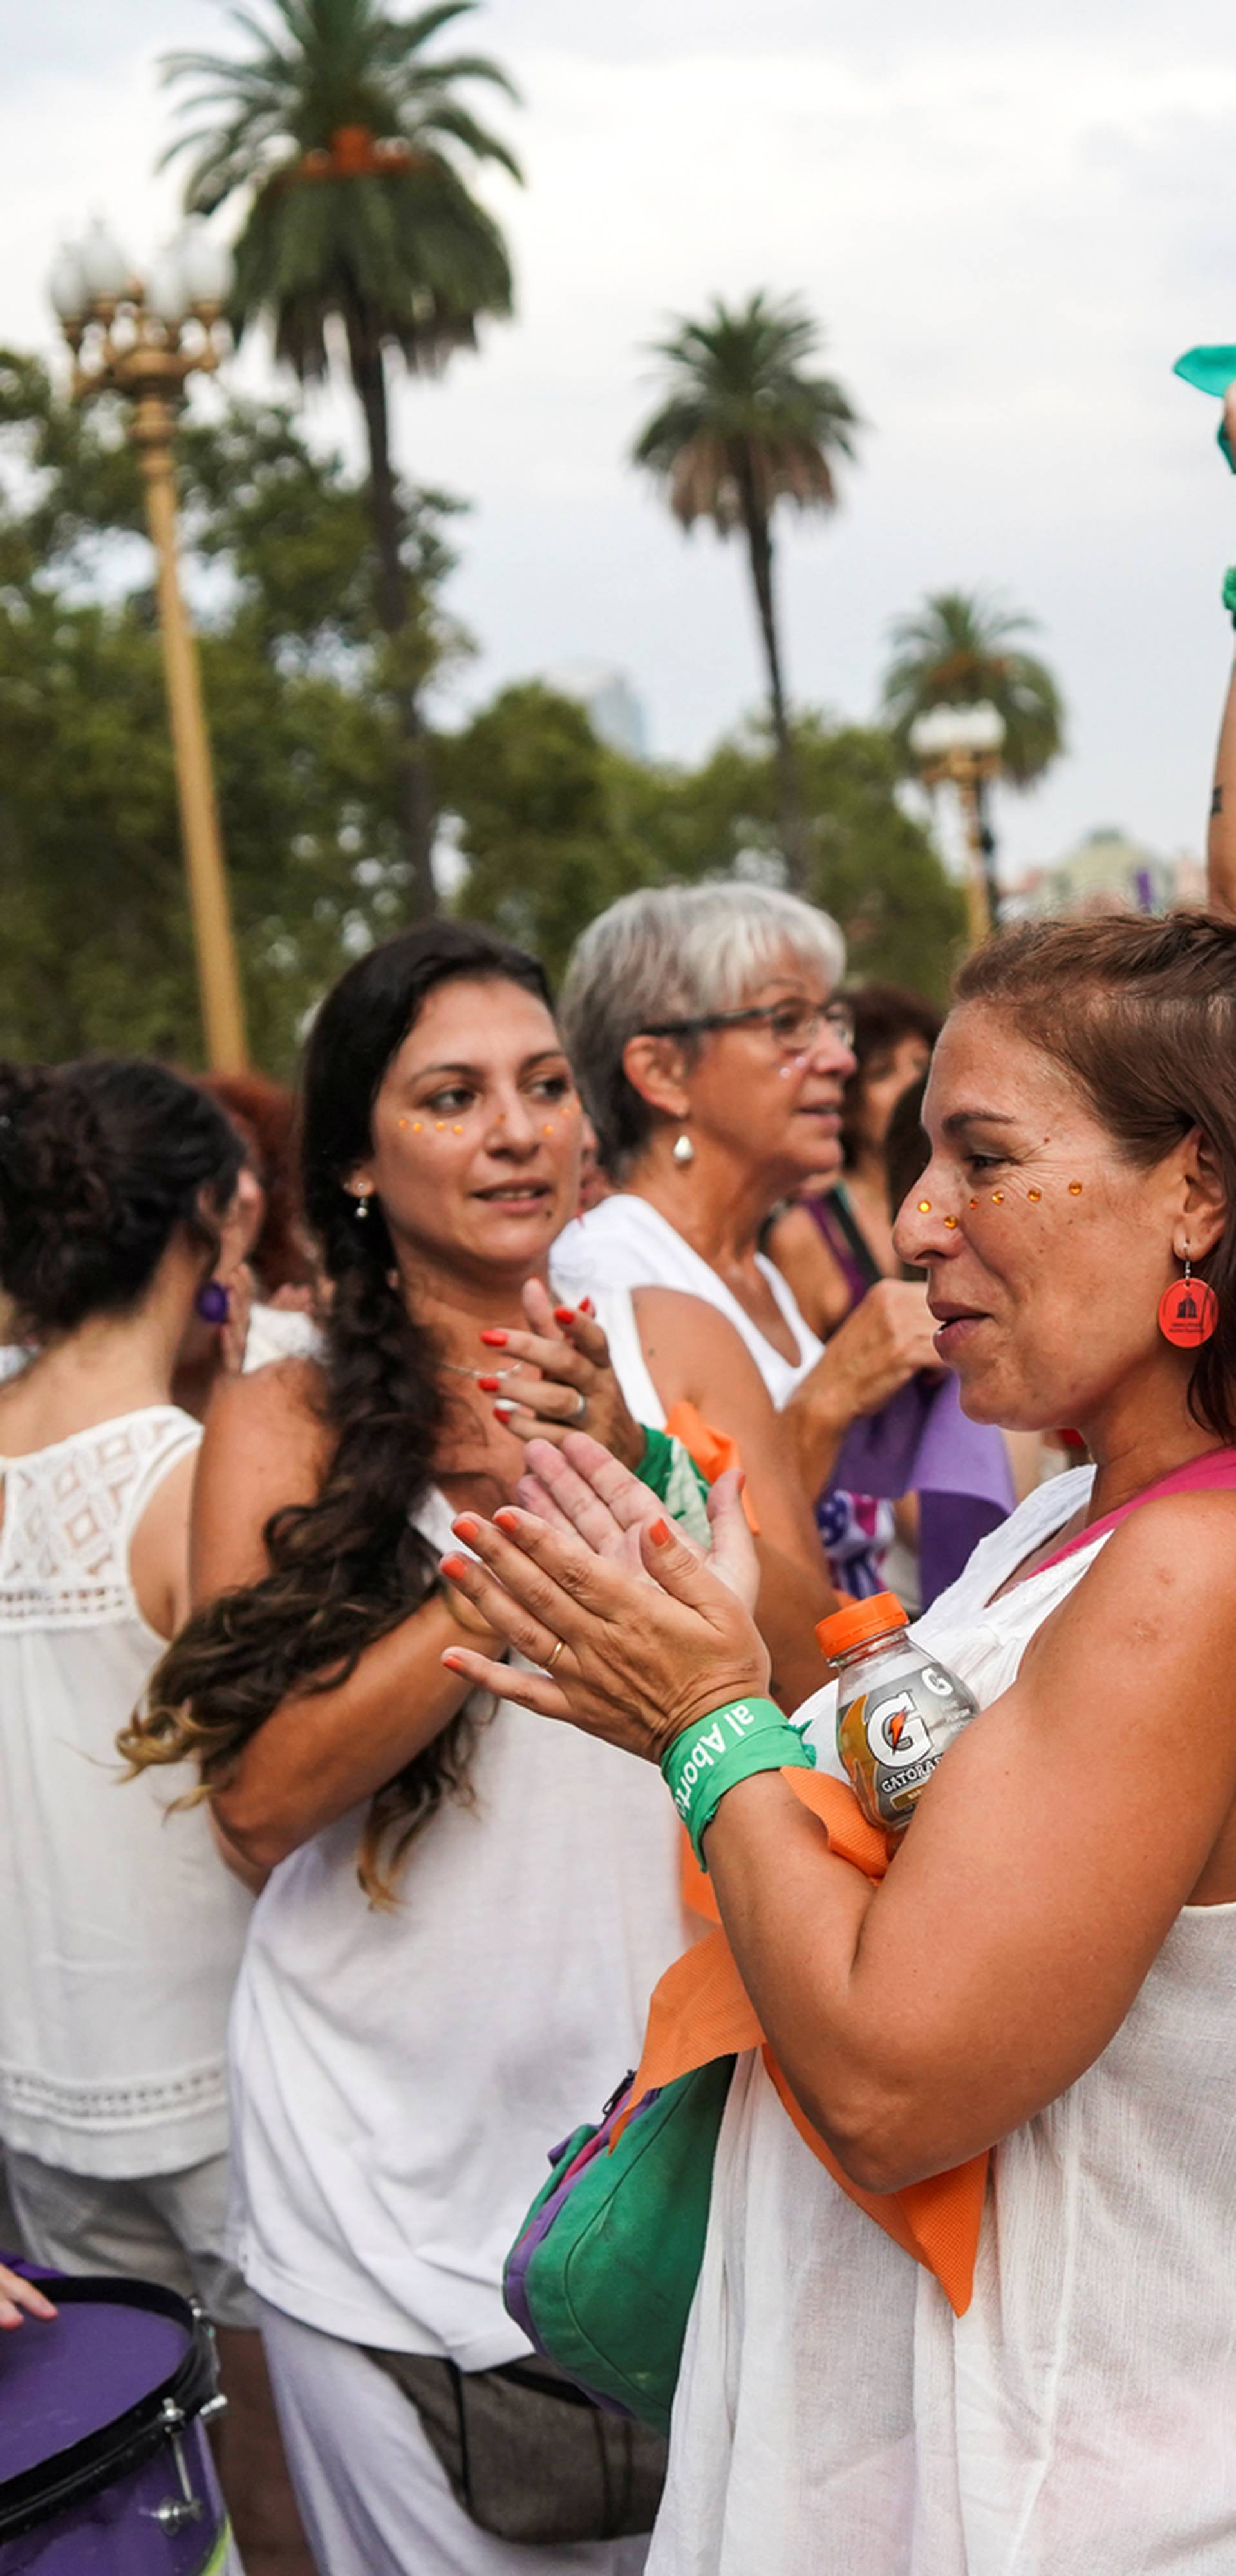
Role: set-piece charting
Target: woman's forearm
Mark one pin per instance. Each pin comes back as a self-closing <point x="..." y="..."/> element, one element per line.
<point x="321" y="1753"/>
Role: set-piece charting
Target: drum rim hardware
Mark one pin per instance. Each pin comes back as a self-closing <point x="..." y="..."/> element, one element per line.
<point x="84" y="2468"/>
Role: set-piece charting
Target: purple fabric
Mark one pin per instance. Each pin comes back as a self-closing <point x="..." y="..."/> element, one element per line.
<point x="921" y="1443"/>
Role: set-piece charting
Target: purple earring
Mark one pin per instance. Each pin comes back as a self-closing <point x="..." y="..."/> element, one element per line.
<point x="213" y="1302"/>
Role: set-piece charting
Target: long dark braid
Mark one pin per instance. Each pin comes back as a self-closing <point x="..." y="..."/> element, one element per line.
<point x="348" y="1567"/>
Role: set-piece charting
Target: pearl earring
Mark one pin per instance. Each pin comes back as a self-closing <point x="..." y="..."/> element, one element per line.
<point x="684" y="1150"/>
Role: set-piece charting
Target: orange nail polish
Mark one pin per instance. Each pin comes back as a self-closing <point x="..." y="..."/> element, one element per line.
<point x="660" y="1532"/>
<point x="506" y="1519"/>
<point x="466" y="1528"/>
<point x="454" y="1568"/>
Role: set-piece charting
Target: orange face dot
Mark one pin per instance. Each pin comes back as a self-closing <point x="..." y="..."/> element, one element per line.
<point x="440" y="1124"/>
<point x="548" y="1128"/>
<point x="417" y="1124"/>
<point x="997" y="1198"/>
<point x="924" y="1207"/>
<point x="951" y="1223"/>
<point x="1034" y="1196"/>
<point x="1075" y="1189"/>
<point x="456" y="1131"/>
<point x="974" y="1202"/>
<point x="401" y="1122"/>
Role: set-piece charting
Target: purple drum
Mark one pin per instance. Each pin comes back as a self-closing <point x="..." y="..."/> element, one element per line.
<point x="105" y="2466"/>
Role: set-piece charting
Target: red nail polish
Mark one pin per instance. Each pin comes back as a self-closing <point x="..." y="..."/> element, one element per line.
<point x="505" y="1406"/>
<point x="586" y="1306"/>
<point x="660" y="1531"/>
<point x="564" y="1314"/>
<point x="496" y="1341"/>
<point x="453" y="1568"/>
<point x="506" y="1519"/>
<point x="488" y="1385"/>
<point x="466" y="1528"/>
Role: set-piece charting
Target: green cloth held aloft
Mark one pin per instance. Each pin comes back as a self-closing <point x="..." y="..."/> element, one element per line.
<point x="1212" y="370"/>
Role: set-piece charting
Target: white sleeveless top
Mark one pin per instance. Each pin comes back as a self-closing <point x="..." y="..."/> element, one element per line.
<point x="400" y="2075"/>
<point x="624" y="1242"/>
<point x="1080" y="2419"/>
<point x="120" y="1928"/>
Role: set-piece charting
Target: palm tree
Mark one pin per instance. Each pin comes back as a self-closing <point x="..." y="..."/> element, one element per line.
<point x="960" y="649"/>
<point x="349" y="140"/>
<point x="746" y="424"/>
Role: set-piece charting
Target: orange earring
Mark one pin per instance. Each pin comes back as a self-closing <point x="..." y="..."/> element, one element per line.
<point x="1188" y="1311"/>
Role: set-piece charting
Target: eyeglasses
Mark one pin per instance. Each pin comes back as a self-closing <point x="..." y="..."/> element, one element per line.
<point x="793" y="1026"/>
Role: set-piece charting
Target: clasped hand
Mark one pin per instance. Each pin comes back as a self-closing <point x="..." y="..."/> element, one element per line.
<point x="644" y="1632"/>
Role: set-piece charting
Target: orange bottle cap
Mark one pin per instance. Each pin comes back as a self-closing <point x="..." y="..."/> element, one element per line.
<point x="857" y="1626"/>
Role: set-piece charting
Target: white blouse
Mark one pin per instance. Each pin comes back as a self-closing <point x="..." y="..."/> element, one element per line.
<point x="624" y="1243"/>
<point x="120" y="1928"/>
<point x="832" y="2413"/>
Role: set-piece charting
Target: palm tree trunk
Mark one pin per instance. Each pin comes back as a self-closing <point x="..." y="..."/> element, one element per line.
<point x="794" y="836"/>
<point x="414" y="783"/>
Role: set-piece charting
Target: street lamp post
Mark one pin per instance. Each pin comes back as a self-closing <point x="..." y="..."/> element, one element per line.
<point x="965" y="745"/>
<point x="144" y="339"/>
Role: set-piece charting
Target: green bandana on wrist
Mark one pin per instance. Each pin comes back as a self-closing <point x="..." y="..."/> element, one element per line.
<point x="730" y="1744"/>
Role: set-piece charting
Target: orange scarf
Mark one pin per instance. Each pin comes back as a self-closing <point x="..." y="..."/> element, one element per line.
<point x="701" y="2011"/>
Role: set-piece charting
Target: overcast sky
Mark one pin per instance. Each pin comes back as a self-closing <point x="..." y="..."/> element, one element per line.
<point x="1009" y="231"/>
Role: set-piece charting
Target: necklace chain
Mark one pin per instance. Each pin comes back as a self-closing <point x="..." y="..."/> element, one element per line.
<point x="458" y="1368"/>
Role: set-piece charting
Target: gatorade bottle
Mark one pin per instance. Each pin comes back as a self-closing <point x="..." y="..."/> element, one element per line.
<point x="898" y="1710"/>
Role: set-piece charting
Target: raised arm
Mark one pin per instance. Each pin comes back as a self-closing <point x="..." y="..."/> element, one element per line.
<point x="920" y="2021"/>
<point x="695" y="1356"/>
<point x="318" y="1754"/>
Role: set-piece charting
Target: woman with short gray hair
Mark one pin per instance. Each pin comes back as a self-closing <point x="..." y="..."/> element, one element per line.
<point x="711" y="1051"/>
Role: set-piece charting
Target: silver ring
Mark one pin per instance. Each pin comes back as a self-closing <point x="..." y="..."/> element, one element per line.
<point x="581" y="1406"/>
<point x="560" y="1649"/>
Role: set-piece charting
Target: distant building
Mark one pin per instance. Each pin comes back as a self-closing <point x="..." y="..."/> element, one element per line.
<point x="1106" y="872"/>
<point x="617" y="714"/>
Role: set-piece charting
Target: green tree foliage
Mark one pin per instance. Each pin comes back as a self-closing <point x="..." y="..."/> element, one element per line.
<point x="959" y="649"/>
<point x="97" y="950"/>
<point x="746" y="425"/>
<point x="554" y="826"/>
<point x="350" y="142"/>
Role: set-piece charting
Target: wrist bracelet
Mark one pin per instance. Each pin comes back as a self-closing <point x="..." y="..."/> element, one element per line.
<point x="731" y="1744"/>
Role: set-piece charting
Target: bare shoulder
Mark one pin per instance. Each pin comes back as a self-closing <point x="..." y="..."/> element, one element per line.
<point x="283" y="1404"/>
<point x="266" y="1445"/>
<point x="694" y="1335"/>
<point x="1165" y="1581"/>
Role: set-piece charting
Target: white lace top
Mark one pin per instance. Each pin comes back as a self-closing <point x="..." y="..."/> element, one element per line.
<point x="1079" y="2420"/>
<point x="120" y="1928"/>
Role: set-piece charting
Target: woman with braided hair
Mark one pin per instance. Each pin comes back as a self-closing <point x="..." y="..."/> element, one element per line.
<point x="464" y="1916"/>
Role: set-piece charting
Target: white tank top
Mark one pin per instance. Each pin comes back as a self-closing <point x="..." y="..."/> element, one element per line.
<point x="1080" y="2419"/>
<point x="120" y="1928"/>
<point x="624" y="1242"/>
<point x="399" y="2076"/>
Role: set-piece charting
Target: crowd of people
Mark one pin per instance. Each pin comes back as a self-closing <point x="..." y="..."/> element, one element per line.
<point x="381" y="1506"/>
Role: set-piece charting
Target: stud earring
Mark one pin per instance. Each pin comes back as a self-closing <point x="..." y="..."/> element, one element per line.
<point x="212" y="1302"/>
<point x="361" y="1209"/>
<point x="1188" y="1311"/>
<point x="684" y="1150"/>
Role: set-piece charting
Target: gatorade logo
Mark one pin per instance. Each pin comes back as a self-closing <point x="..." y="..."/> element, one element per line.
<point x="897" y="1734"/>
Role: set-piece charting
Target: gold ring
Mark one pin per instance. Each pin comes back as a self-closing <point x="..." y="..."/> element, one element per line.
<point x="559" y="1649"/>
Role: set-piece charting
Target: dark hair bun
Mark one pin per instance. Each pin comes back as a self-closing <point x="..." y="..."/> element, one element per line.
<point x="100" y="1163"/>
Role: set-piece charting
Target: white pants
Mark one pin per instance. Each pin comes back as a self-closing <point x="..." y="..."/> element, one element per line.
<point x="374" y="2499"/>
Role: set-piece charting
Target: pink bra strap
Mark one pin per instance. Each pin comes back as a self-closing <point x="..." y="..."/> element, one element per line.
<point x="1215" y="1472"/>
